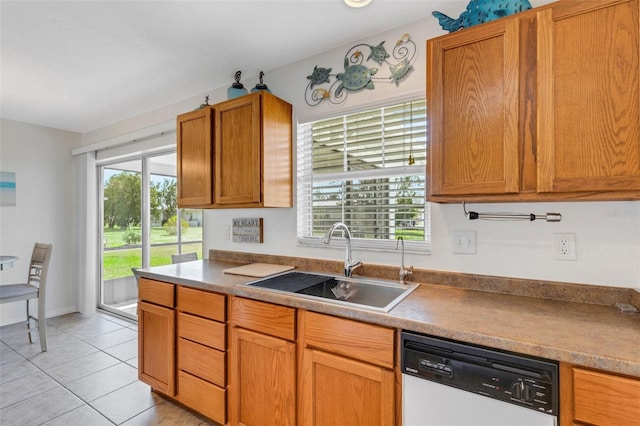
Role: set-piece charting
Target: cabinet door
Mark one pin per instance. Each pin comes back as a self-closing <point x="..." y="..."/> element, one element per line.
<point x="588" y="99"/>
<point x="262" y="380"/>
<point x="194" y="158"/>
<point x="156" y="347"/>
<point x="473" y="98"/>
<point x="238" y="151"/>
<point x="340" y="391"/>
<point x="591" y="397"/>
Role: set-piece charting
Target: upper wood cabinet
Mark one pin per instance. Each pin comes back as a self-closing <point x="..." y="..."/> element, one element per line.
<point x="543" y="105"/>
<point x="473" y="111"/>
<point x="589" y="97"/>
<point x="194" y="149"/>
<point x="237" y="153"/>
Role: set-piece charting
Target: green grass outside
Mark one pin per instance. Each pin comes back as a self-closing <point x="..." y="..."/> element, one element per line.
<point x="407" y="234"/>
<point x="115" y="237"/>
<point x="118" y="263"/>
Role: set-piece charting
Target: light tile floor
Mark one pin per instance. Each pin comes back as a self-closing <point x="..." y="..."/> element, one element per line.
<point x="87" y="377"/>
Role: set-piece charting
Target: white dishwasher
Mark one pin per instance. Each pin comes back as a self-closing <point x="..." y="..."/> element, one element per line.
<point x="449" y="383"/>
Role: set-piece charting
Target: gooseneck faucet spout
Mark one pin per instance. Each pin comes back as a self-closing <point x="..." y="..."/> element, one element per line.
<point x="349" y="264"/>
<point x="404" y="272"/>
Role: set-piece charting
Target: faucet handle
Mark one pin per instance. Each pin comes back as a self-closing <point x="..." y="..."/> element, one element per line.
<point x="404" y="273"/>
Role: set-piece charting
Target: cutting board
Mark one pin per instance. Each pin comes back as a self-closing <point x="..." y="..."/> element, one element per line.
<point x="258" y="270"/>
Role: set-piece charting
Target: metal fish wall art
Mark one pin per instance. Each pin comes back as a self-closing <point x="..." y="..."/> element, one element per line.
<point x="480" y="11"/>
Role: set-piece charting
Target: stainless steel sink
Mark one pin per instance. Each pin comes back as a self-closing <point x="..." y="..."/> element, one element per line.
<point x="364" y="293"/>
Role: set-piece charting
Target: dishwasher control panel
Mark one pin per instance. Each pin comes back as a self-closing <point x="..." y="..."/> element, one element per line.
<point x="518" y="379"/>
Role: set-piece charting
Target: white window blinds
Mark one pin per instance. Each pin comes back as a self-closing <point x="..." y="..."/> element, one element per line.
<point x="367" y="170"/>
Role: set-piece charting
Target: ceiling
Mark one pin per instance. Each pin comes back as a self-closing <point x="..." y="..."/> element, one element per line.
<point x="83" y="65"/>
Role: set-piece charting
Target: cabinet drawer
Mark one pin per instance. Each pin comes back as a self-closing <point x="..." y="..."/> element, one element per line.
<point x="156" y="292"/>
<point x="202" y="330"/>
<point x="354" y="339"/>
<point x="274" y="320"/>
<point x="200" y="395"/>
<point x="202" y="303"/>
<point x="601" y="398"/>
<point x="202" y="361"/>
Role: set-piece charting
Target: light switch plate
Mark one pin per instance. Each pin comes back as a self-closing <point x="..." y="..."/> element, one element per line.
<point x="464" y="242"/>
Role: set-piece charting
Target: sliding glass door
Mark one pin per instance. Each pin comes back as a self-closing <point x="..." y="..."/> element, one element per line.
<point x="141" y="225"/>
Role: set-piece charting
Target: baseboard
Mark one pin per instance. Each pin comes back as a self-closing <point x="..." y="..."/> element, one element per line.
<point x="50" y="314"/>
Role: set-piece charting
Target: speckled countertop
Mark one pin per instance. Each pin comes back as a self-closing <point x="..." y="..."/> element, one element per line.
<point x="588" y="334"/>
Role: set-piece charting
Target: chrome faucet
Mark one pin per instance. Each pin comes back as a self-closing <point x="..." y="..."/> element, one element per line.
<point x="404" y="272"/>
<point x="349" y="264"/>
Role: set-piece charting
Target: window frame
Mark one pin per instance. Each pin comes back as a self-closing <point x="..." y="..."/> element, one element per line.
<point x="305" y="179"/>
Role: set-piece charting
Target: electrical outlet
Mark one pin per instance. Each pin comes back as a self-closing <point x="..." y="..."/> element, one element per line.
<point x="564" y="246"/>
<point x="464" y="242"/>
<point x="227" y="232"/>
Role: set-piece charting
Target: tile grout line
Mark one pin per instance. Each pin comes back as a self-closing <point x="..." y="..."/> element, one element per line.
<point x="60" y="384"/>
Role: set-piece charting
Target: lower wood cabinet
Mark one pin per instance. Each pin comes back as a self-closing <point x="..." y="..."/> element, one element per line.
<point x="279" y="366"/>
<point x="335" y="390"/>
<point x="282" y="366"/>
<point x="156" y="361"/>
<point x="592" y="397"/>
<point x="202" y="396"/>
<point x="202" y="356"/>
<point x="262" y="370"/>
<point x="156" y="335"/>
<point x="347" y="372"/>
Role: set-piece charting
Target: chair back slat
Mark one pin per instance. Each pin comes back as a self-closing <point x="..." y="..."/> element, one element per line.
<point x="184" y="257"/>
<point x="40" y="253"/>
<point x="39" y="266"/>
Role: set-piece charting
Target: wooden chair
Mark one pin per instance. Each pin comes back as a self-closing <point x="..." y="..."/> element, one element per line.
<point x="184" y="257"/>
<point x="34" y="288"/>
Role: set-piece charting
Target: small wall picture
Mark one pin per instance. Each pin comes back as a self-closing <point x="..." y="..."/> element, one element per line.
<point x="247" y="230"/>
<point x="7" y="189"/>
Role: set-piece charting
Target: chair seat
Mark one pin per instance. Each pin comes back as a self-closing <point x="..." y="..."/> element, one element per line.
<point x="33" y="288"/>
<point x="15" y="292"/>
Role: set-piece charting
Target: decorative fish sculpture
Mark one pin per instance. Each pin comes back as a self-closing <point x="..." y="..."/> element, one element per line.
<point x="480" y="11"/>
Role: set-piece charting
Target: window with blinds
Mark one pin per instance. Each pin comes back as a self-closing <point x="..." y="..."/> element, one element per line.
<point x="367" y="170"/>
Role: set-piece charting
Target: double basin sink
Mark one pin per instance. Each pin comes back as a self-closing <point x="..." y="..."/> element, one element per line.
<point x="363" y="293"/>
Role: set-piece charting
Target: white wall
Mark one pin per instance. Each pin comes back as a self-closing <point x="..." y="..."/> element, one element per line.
<point x="53" y="188"/>
<point x="607" y="233"/>
<point x="41" y="159"/>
